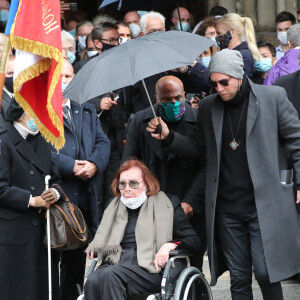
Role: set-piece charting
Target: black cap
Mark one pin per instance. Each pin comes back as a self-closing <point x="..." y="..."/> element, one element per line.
<point x="14" y="111"/>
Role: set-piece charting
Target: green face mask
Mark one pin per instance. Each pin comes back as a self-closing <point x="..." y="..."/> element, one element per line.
<point x="173" y="112"/>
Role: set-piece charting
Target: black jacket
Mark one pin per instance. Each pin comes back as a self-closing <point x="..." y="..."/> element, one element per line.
<point x="23" y="263"/>
<point x="174" y="172"/>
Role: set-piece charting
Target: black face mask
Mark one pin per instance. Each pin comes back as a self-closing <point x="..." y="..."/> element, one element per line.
<point x="224" y="40"/>
<point x="107" y="46"/>
<point x="9" y="84"/>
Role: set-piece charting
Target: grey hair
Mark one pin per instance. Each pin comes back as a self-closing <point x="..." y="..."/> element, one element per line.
<point x="293" y="35"/>
<point x="151" y="14"/>
<point x="66" y="36"/>
<point x="98" y="20"/>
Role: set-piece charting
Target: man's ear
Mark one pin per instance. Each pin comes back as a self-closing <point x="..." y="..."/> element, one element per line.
<point x="157" y="101"/>
<point x="98" y="45"/>
<point x="174" y="20"/>
<point x="274" y="60"/>
<point x="290" y="45"/>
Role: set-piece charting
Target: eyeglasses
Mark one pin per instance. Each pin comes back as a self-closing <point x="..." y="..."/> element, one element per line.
<point x="111" y="41"/>
<point x="223" y="82"/>
<point x="134" y="184"/>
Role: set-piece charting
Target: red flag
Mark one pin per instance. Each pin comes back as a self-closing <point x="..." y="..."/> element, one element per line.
<point x="36" y="34"/>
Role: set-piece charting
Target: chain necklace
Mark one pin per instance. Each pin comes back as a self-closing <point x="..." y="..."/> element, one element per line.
<point x="233" y="144"/>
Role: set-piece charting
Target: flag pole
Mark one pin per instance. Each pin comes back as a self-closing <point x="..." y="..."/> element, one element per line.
<point x="6" y="48"/>
<point x="5" y="54"/>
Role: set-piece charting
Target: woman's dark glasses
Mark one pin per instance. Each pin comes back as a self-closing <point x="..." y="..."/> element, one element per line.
<point x="223" y="82"/>
<point x="132" y="183"/>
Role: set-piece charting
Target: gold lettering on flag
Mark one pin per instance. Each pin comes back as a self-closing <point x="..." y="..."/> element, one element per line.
<point x="49" y="22"/>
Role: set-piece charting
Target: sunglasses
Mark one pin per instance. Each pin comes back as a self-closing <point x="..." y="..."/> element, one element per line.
<point x="134" y="184"/>
<point x="223" y="82"/>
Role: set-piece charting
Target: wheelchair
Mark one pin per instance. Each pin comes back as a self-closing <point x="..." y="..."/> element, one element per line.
<point x="180" y="281"/>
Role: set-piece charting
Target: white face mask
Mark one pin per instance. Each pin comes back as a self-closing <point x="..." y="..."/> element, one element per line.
<point x="92" y="53"/>
<point x="282" y="37"/>
<point x="81" y="42"/>
<point x="135" y="30"/>
<point x="134" y="203"/>
<point x="123" y="40"/>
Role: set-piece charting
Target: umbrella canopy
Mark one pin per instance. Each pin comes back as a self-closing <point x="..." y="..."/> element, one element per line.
<point x="135" y="60"/>
<point x="127" y="5"/>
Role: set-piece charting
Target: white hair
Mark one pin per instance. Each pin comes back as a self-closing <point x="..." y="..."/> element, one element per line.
<point x="151" y="14"/>
<point x="66" y="36"/>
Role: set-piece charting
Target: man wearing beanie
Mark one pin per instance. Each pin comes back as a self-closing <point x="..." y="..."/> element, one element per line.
<point x="251" y="218"/>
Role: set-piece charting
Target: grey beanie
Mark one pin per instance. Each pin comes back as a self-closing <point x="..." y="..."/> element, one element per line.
<point x="229" y="62"/>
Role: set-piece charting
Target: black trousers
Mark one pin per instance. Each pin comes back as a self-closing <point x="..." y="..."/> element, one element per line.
<point x="118" y="282"/>
<point x="241" y="243"/>
<point x="72" y="268"/>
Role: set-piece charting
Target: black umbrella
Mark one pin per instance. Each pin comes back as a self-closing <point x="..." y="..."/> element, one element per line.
<point x="128" y="5"/>
<point x="135" y="60"/>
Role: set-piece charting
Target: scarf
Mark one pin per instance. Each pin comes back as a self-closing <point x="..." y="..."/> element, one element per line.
<point x="155" y="214"/>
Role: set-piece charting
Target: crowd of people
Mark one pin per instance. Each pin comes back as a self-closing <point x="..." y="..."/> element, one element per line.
<point x="221" y="174"/>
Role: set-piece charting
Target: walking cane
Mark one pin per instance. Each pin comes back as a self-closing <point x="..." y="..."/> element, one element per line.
<point x="47" y="178"/>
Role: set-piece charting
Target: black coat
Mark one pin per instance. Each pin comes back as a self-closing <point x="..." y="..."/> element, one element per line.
<point x="94" y="147"/>
<point x="174" y="172"/>
<point x="23" y="263"/>
<point x="4" y="105"/>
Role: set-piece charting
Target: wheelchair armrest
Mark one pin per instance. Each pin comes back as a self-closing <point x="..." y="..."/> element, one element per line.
<point x="181" y="252"/>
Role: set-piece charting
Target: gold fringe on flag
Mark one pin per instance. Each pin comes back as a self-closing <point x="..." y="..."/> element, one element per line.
<point x="48" y="52"/>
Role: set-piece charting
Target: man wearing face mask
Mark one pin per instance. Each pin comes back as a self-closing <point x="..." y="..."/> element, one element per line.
<point x="284" y="21"/>
<point x="290" y="62"/>
<point x="80" y="163"/>
<point x="183" y="18"/>
<point x="69" y="46"/>
<point x="8" y="90"/>
<point x="267" y="61"/>
<point x="175" y="173"/>
<point x="4" y="8"/>
<point x="82" y="30"/>
<point x="104" y="37"/>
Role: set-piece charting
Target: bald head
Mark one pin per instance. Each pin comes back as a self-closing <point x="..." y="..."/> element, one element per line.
<point x="132" y="17"/>
<point x="169" y="89"/>
<point x="184" y="16"/>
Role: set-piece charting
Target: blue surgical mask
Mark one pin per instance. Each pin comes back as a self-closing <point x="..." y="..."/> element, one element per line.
<point x="63" y="86"/>
<point x="71" y="57"/>
<point x="173" y="112"/>
<point x="263" y="65"/>
<point x="214" y="39"/>
<point x="3" y="15"/>
<point x="31" y="125"/>
<point x="185" y="26"/>
<point x="73" y="32"/>
<point x="205" y="61"/>
<point x="142" y="12"/>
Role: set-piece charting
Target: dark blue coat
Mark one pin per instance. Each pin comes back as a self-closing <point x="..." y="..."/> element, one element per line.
<point x="247" y="58"/>
<point x="94" y="147"/>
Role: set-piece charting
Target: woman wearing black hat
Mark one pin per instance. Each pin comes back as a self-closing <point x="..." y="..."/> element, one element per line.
<point x="25" y="160"/>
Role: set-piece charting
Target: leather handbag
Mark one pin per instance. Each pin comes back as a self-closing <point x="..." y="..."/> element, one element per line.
<point x="68" y="229"/>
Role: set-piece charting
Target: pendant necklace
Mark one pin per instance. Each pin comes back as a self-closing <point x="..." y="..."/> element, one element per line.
<point x="233" y="144"/>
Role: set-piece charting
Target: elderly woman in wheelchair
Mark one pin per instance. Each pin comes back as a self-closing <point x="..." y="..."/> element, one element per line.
<point x="139" y="228"/>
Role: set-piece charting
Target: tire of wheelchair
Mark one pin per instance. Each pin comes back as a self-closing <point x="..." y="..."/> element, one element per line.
<point x="187" y="280"/>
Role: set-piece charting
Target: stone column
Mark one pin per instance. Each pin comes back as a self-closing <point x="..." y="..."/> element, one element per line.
<point x="229" y="4"/>
<point x="291" y="6"/>
<point x="266" y="12"/>
<point x="280" y="6"/>
<point x="250" y="8"/>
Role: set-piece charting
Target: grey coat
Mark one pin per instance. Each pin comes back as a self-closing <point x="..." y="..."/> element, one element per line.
<point x="271" y="120"/>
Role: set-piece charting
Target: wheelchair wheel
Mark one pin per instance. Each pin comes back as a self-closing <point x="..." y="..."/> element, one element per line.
<point x="192" y="285"/>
